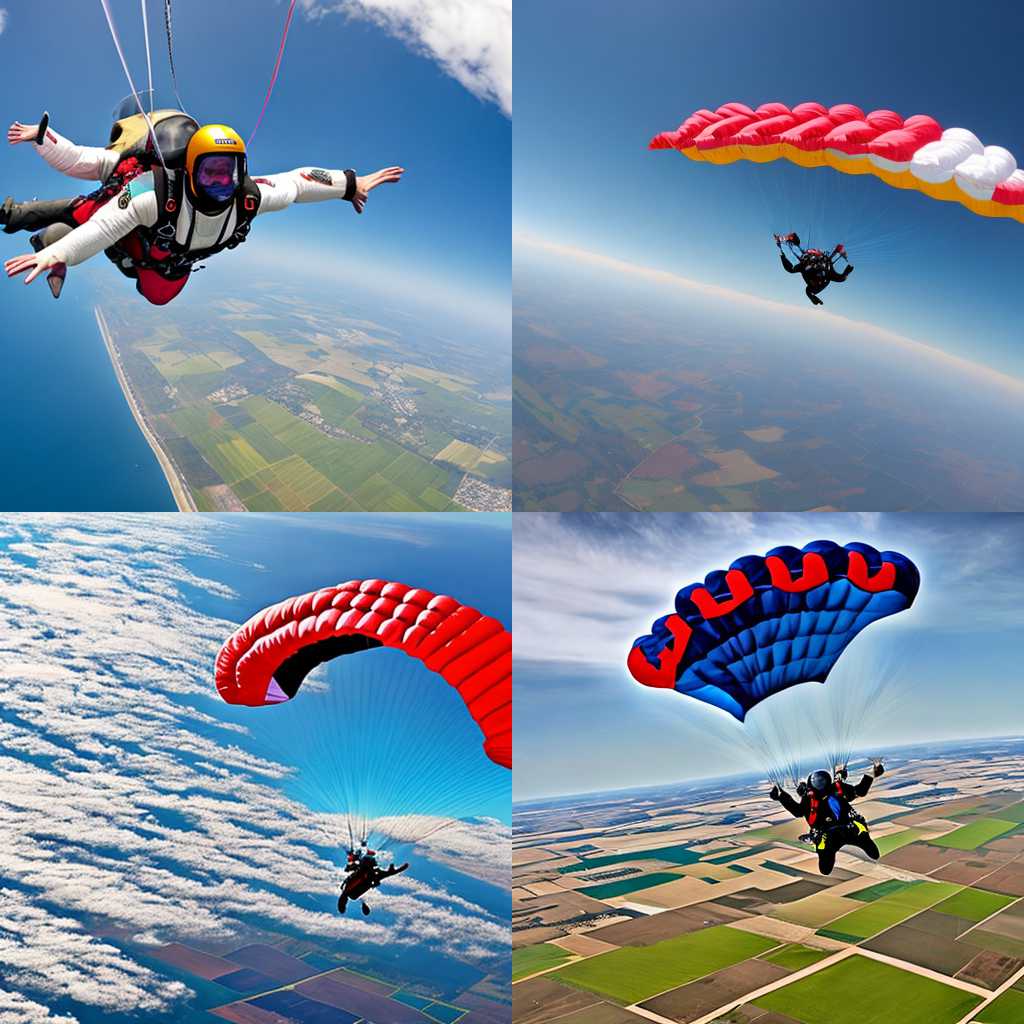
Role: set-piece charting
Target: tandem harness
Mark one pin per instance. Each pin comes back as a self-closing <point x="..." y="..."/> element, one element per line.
<point x="818" y="836"/>
<point x="156" y="248"/>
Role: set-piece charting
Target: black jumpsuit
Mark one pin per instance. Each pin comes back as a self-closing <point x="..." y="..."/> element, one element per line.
<point x="817" y="271"/>
<point x="833" y="831"/>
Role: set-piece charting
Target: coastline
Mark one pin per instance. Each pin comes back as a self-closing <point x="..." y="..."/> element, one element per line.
<point x="181" y="494"/>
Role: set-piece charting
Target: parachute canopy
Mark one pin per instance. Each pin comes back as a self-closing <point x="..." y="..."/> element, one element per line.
<point x="769" y="623"/>
<point x="266" y="660"/>
<point x="950" y="164"/>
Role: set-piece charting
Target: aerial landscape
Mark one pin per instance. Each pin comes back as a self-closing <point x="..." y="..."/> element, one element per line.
<point x="686" y="904"/>
<point x="276" y="403"/>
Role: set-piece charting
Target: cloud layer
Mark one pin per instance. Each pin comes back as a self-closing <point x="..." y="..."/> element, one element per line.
<point x="127" y="807"/>
<point x="470" y="39"/>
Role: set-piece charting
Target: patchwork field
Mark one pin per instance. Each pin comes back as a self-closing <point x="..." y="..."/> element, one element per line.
<point x="718" y="900"/>
<point x="319" y="412"/>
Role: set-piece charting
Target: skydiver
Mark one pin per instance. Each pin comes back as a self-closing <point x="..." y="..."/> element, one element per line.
<point x="363" y="875"/>
<point x="816" y="267"/>
<point x="164" y="220"/>
<point x="825" y="805"/>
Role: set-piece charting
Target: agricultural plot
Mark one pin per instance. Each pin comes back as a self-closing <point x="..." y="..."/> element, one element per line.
<point x="609" y="890"/>
<point x="976" y="834"/>
<point x="531" y="959"/>
<point x="886" y="911"/>
<point x="858" y="990"/>
<point x="1005" y="1009"/>
<point x="635" y="973"/>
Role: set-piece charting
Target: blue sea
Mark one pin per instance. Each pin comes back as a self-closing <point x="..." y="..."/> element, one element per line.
<point x="70" y="441"/>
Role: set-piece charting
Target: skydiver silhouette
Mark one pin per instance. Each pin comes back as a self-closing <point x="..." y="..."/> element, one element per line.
<point x="814" y="266"/>
<point x="364" y="875"/>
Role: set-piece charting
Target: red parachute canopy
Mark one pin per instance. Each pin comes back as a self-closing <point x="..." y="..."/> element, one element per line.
<point x="266" y="660"/>
<point x="950" y="164"/>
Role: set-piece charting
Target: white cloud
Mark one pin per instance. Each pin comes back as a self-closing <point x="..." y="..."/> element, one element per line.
<point x="127" y="804"/>
<point x="3" y="19"/>
<point x="470" y="39"/>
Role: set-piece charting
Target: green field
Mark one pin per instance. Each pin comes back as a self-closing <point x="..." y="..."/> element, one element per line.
<point x="669" y="854"/>
<point x="862" y="991"/>
<point x="976" y="834"/>
<point x="893" y="841"/>
<point x="633" y="973"/>
<point x="795" y="957"/>
<point x="609" y="890"/>
<point x="974" y="904"/>
<point x="876" y="892"/>
<point x="530" y="959"/>
<point x="1006" y="1009"/>
<point x="887" y="910"/>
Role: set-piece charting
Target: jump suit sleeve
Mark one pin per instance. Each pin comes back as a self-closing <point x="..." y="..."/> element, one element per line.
<point x="303" y="185"/>
<point x="790" y="267"/>
<point x="134" y="207"/>
<point x="785" y="799"/>
<point x="90" y="163"/>
<point x="862" y="787"/>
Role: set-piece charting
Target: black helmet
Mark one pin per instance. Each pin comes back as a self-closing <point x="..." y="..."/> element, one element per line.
<point x="819" y="781"/>
<point x="173" y="132"/>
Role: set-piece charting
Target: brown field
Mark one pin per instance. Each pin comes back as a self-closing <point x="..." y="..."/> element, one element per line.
<point x="1012" y="845"/>
<point x="645" y="931"/>
<point x="969" y="869"/>
<point x="531" y="856"/>
<point x="243" y="1013"/>
<point x="928" y="942"/>
<point x="690" y="1002"/>
<point x="670" y="462"/>
<point x="365" y="1004"/>
<point x="538" y="1000"/>
<point x="361" y="981"/>
<point x="1009" y="922"/>
<point x="651" y="386"/>
<point x="535" y="936"/>
<point x="551" y="469"/>
<point x="1008" y="880"/>
<point x="990" y="969"/>
<point x="584" y="945"/>
<point x="202" y="965"/>
<point x="921" y="858"/>
<point x="604" y="1013"/>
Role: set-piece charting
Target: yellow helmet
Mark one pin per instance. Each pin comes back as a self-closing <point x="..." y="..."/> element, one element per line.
<point x="212" y="140"/>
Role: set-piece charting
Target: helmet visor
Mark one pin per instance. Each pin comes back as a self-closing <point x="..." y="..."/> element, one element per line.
<point x="819" y="781"/>
<point x="217" y="176"/>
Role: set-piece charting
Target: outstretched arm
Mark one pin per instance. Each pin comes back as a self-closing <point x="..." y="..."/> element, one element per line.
<point x="791" y="805"/>
<point x="91" y="163"/>
<point x="315" y="185"/>
<point x="862" y="787"/>
<point x="106" y="227"/>
<point x="790" y="267"/>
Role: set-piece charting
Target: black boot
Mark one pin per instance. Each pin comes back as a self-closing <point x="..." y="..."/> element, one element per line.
<point x="35" y="215"/>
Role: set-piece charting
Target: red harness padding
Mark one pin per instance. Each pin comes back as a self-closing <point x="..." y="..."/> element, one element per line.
<point x="150" y="285"/>
<point x="812" y="814"/>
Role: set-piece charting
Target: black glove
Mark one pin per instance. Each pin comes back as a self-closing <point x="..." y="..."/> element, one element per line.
<point x="878" y="770"/>
<point x="776" y="793"/>
<point x="801" y="789"/>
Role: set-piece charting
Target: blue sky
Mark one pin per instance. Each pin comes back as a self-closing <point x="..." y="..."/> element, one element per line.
<point x="370" y="744"/>
<point x="586" y="586"/>
<point x="584" y="178"/>
<point x="352" y="93"/>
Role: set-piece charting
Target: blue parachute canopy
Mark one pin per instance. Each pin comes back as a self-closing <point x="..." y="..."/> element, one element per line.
<point x="766" y="624"/>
